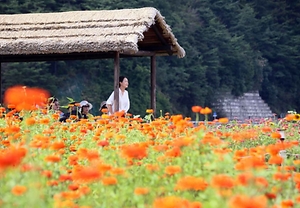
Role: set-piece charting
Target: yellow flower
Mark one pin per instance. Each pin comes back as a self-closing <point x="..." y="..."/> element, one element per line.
<point x="149" y="111"/>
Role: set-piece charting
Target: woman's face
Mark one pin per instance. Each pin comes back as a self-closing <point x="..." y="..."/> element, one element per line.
<point x="124" y="83"/>
<point x="85" y="109"/>
<point x="55" y="105"/>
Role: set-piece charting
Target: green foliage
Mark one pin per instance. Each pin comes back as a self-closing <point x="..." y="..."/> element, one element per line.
<point x="234" y="46"/>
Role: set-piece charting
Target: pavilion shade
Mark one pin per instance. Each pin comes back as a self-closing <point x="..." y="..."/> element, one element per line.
<point x="85" y="31"/>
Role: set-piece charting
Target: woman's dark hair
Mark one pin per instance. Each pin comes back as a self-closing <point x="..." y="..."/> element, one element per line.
<point x="51" y="101"/>
<point x="121" y="79"/>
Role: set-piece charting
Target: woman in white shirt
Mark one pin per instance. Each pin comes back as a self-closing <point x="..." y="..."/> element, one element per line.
<point x="124" y="103"/>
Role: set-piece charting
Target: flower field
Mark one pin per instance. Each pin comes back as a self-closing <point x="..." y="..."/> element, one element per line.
<point x="117" y="161"/>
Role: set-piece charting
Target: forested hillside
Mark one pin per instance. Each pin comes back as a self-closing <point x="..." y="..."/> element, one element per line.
<point x="235" y="46"/>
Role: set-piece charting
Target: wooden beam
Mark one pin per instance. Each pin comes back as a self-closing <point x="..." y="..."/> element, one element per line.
<point x="157" y="49"/>
<point x="161" y="38"/>
<point x="139" y="53"/>
<point x="79" y="56"/>
<point x="116" y="80"/>
<point x="153" y="84"/>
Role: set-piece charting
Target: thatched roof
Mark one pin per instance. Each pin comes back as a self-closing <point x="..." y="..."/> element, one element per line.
<point x="127" y="31"/>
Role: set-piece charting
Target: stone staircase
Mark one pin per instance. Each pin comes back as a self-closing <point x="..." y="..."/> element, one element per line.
<point x="249" y="106"/>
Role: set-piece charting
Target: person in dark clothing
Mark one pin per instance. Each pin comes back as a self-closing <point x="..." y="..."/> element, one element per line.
<point x="73" y="109"/>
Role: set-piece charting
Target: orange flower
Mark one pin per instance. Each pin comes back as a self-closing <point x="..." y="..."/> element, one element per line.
<point x="109" y="181"/>
<point x="52" y="158"/>
<point x="11" y="157"/>
<point x="152" y="167"/>
<point x="65" y="177"/>
<point x="205" y="110"/>
<point x="222" y="181"/>
<point x="276" y="135"/>
<point x="223" y="120"/>
<point x="117" y="171"/>
<point x="244" y="178"/>
<point x="149" y="111"/>
<point x="174" y="152"/>
<point x="58" y="145"/>
<point x="191" y="183"/>
<point x="287" y="203"/>
<point x="73" y="186"/>
<point x="276" y="160"/>
<point x="25" y="98"/>
<point x="141" y="191"/>
<point x="250" y="162"/>
<point x="196" y="109"/>
<point x="242" y="201"/>
<point x="290" y="117"/>
<point x="170" y="202"/>
<point x="135" y="151"/>
<point x="18" y="190"/>
<point x="260" y="181"/>
<point x="47" y="173"/>
<point x="30" y="121"/>
<point x="266" y="129"/>
<point x="45" y="121"/>
<point x="281" y="176"/>
<point x="171" y="170"/>
<point x="86" y="174"/>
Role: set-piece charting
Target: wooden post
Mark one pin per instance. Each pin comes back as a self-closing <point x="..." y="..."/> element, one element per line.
<point x="153" y="84"/>
<point x="116" y="80"/>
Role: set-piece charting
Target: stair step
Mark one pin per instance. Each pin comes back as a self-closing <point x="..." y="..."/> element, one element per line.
<point x="250" y="105"/>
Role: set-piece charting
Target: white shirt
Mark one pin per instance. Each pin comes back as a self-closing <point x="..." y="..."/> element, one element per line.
<point x="124" y="103"/>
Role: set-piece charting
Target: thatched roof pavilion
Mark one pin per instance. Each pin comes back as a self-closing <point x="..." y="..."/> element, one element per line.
<point x="88" y="35"/>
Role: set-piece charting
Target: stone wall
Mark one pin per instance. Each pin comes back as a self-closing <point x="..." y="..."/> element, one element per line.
<point x="249" y="106"/>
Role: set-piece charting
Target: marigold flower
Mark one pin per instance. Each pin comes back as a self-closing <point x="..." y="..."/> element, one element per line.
<point x="196" y="109"/>
<point x="205" y="111"/>
<point x="290" y="117"/>
<point x="18" y="190"/>
<point x="270" y="195"/>
<point x="266" y="129"/>
<point x="47" y="173"/>
<point x="73" y="187"/>
<point x="135" y="151"/>
<point x="58" y="145"/>
<point x="117" y="171"/>
<point x="52" y="158"/>
<point x="243" y="201"/>
<point x="25" y="98"/>
<point x="152" y="167"/>
<point x="260" y="181"/>
<point x="222" y="181"/>
<point x="171" y="201"/>
<point x="45" y="121"/>
<point x="191" y="183"/>
<point x="244" y="178"/>
<point x="109" y="181"/>
<point x="65" y="177"/>
<point x="149" y="111"/>
<point x="86" y="174"/>
<point x="171" y="170"/>
<point x="103" y="143"/>
<point x="52" y="183"/>
<point x="253" y="162"/>
<point x="287" y="203"/>
<point x="141" y="191"/>
<point x="276" y="135"/>
<point x="11" y="157"/>
<point x="281" y="176"/>
<point x="30" y="121"/>
<point x="275" y="159"/>
<point x="223" y="120"/>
